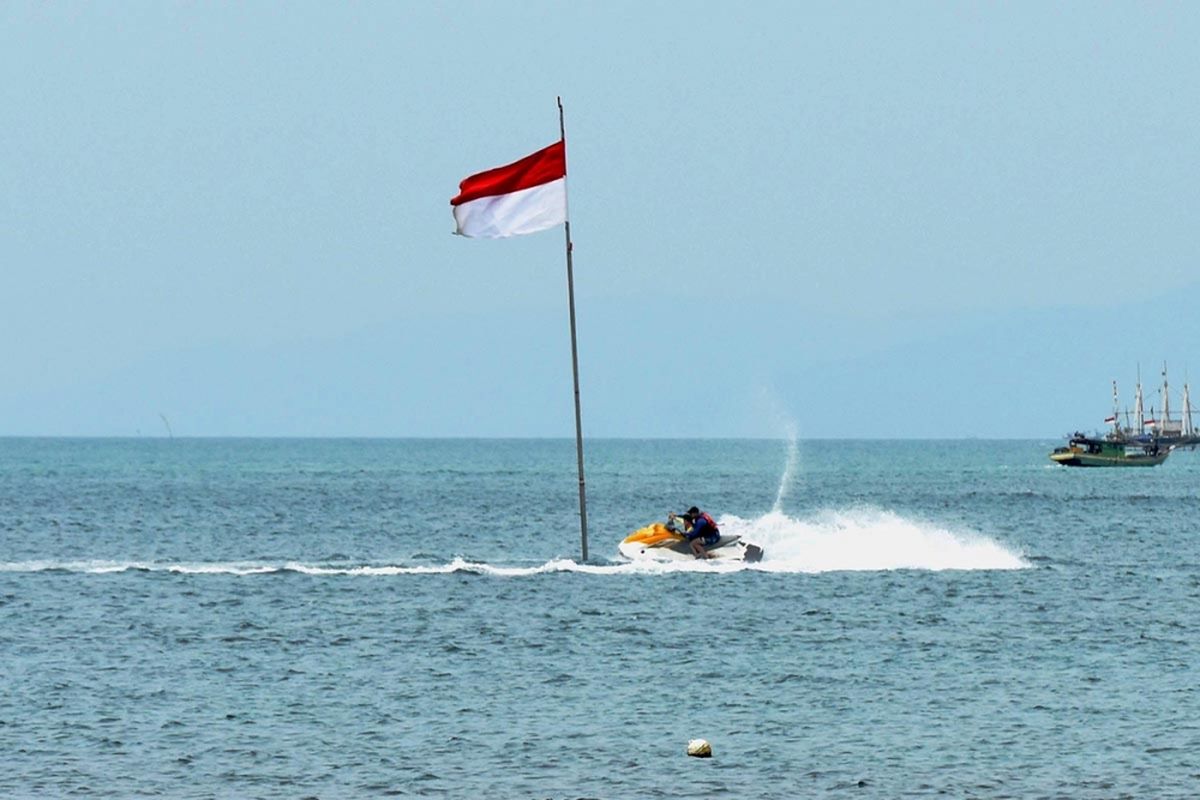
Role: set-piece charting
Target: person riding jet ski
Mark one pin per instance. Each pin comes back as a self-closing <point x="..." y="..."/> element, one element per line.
<point x="684" y="537"/>
<point x="703" y="533"/>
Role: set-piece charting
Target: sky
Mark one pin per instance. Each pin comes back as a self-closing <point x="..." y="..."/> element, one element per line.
<point x="868" y="220"/>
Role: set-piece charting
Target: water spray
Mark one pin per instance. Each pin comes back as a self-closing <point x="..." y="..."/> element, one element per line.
<point x="789" y="467"/>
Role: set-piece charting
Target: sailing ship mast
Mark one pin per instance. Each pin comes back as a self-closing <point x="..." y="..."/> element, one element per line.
<point x="1188" y="429"/>
<point x="1116" y="415"/>
<point x="1139" y="412"/>
<point x="1165" y="424"/>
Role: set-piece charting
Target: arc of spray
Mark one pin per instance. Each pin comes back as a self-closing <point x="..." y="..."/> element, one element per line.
<point x="789" y="467"/>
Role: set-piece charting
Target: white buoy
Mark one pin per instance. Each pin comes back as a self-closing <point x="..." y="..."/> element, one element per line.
<point x="699" y="748"/>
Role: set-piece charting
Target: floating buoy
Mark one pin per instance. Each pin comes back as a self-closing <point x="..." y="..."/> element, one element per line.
<point x="699" y="748"/>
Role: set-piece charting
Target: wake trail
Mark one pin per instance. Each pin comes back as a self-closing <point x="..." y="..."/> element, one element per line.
<point x="833" y="540"/>
<point x="868" y="539"/>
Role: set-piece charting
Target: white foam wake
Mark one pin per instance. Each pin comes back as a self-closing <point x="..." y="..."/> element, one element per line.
<point x="863" y="539"/>
<point x="867" y="539"/>
<point x="101" y="567"/>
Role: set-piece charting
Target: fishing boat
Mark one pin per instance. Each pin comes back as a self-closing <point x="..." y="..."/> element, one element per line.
<point x="1089" y="451"/>
<point x="1138" y="437"/>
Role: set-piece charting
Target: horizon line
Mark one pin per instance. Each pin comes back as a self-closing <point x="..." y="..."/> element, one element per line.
<point x="565" y="438"/>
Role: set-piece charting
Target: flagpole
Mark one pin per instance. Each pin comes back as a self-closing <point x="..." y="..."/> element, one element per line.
<point x="562" y="130"/>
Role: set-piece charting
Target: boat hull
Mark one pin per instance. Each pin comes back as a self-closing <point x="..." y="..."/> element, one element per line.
<point x="1077" y="459"/>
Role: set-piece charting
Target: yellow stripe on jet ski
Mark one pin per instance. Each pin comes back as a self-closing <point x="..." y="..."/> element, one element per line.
<point x="653" y="535"/>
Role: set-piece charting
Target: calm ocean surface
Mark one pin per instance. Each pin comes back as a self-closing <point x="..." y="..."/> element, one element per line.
<point x="348" y="619"/>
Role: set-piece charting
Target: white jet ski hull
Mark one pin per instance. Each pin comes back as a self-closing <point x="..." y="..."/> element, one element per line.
<point x="728" y="548"/>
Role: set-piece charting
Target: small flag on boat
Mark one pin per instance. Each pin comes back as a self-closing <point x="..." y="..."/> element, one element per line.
<point x="1109" y="420"/>
<point x="525" y="196"/>
<point x="1150" y="422"/>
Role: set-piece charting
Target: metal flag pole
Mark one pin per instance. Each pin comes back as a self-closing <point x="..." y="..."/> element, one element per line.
<point x="562" y="130"/>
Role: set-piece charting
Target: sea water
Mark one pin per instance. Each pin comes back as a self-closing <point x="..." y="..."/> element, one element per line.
<point x="367" y="618"/>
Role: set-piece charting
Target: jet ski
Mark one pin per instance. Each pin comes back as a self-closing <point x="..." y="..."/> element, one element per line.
<point x="657" y="542"/>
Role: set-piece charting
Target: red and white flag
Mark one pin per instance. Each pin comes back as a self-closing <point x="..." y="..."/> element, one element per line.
<point x="1150" y="422"/>
<point x="1110" y="420"/>
<point x="526" y="196"/>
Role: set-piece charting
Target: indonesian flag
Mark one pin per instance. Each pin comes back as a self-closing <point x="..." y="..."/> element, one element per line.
<point x="526" y="196"/>
<point x="1150" y="422"/>
<point x="1110" y="420"/>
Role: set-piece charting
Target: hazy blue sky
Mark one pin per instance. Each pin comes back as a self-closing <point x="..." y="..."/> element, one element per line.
<point x="880" y="219"/>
